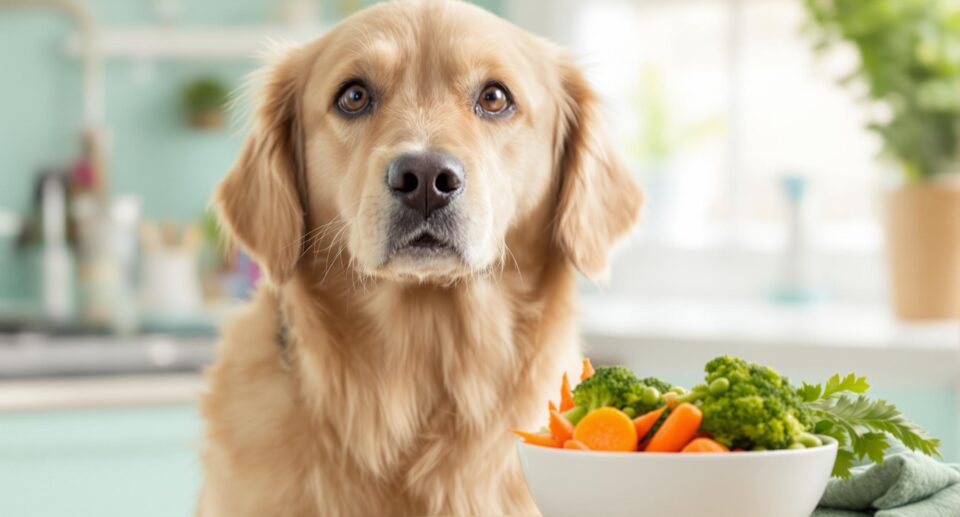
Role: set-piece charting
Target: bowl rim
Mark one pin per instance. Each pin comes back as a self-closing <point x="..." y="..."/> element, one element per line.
<point x="831" y="444"/>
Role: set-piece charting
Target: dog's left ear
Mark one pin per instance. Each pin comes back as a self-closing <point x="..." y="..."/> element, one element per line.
<point x="599" y="200"/>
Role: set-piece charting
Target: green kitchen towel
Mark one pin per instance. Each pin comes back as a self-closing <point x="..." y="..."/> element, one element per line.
<point x="904" y="485"/>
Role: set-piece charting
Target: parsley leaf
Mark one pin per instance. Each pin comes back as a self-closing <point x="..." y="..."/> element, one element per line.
<point x="810" y="392"/>
<point x="861" y="426"/>
<point x="835" y="385"/>
<point x="850" y="383"/>
<point x="877" y="416"/>
<point x="843" y="464"/>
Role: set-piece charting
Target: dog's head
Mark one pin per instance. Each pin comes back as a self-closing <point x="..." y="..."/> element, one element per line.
<point x="414" y="137"/>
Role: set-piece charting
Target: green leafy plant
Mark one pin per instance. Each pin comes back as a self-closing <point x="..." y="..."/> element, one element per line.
<point x="860" y="425"/>
<point x="910" y="62"/>
<point x="205" y="95"/>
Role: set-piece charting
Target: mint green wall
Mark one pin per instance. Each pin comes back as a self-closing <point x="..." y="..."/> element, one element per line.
<point x="155" y="155"/>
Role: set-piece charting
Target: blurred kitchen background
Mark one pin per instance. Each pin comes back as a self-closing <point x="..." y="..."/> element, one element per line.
<point x="800" y="160"/>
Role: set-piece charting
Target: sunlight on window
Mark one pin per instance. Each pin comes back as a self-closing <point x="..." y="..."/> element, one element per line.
<point x="715" y="102"/>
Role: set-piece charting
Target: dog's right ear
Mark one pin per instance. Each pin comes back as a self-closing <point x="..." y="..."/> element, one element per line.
<point x="259" y="200"/>
<point x="599" y="201"/>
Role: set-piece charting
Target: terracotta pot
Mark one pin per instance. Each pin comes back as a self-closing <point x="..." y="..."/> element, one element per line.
<point x="207" y="119"/>
<point x="923" y="240"/>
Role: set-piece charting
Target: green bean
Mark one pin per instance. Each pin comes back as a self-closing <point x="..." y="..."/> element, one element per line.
<point x="719" y="386"/>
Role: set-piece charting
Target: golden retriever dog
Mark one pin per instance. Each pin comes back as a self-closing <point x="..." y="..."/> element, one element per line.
<point x="421" y="185"/>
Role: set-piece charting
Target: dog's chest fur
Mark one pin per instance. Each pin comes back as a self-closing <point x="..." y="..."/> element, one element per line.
<point x="396" y="399"/>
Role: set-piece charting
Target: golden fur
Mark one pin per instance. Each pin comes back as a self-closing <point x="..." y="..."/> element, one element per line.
<point x="398" y="380"/>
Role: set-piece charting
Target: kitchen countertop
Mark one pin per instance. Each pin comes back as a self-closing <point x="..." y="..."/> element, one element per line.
<point x="806" y="339"/>
<point x="101" y="391"/>
<point x="818" y="324"/>
<point x="39" y="372"/>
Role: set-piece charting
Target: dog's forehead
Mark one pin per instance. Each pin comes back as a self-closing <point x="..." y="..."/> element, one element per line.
<point x="429" y="54"/>
<point x="452" y="39"/>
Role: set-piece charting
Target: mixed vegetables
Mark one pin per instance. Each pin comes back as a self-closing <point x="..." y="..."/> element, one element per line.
<point x="740" y="406"/>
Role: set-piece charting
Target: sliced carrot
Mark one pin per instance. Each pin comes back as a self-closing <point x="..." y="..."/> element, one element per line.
<point x="551" y="406"/>
<point x="587" y="371"/>
<point x="536" y="438"/>
<point x="566" y="396"/>
<point x="607" y="429"/>
<point x="705" y="445"/>
<point x="560" y="428"/>
<point x="575" y="444"/>
<point x="677" y="430"/>
<point x="645" y="422"/>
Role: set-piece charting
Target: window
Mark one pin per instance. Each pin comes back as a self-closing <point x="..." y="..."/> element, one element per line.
<point x="715" y="102"/>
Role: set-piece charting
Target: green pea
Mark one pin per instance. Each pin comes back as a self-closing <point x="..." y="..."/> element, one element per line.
<point x="651" y="396"/>
<point x="629" y="411"/>
<point x="719" y="386"/>
<point x="797" y="445"/>
<point x="809" y="440"/>
<point x="679" y="390"/>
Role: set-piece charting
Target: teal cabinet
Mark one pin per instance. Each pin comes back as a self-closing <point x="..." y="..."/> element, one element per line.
<point x="115" y="462"/>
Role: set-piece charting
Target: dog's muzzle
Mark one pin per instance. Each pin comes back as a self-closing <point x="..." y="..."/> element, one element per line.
<point x="425" y="185"/>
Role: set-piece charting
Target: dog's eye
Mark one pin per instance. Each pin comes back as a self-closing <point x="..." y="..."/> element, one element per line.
<point x="494" y="100"/>
<point x="353" y="99"/>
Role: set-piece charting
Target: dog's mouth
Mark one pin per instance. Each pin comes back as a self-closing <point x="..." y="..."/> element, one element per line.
<point x="424" y="249"/>
<point x="426" y="242"/>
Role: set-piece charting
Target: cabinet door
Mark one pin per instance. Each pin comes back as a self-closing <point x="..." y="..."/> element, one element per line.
<point x="100" y="462"/>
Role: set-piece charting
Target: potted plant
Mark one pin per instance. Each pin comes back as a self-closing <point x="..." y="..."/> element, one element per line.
<point x="910" y="64"/>
<point x="205" y="100"/>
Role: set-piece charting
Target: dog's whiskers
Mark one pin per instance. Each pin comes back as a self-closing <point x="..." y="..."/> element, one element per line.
<point x="316" y="244"/>
<point x="311" y="238"/>
<point x="329" y="263"/>
<point x="515" y="262"/>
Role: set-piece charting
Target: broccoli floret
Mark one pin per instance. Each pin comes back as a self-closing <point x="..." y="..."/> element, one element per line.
<point x="617" y="386"/>
<point x="754" y="407"/>
<point x="609" y="386"/>
<point x="661" y="385"/>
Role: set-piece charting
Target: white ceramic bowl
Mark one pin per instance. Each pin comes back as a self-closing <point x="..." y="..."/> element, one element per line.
<point x="744" y="484"/>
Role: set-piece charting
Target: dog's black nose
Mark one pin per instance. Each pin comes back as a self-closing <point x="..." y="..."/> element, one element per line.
<point x="426" y="181"/>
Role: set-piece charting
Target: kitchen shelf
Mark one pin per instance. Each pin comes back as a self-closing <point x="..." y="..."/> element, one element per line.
<point x="178" y="43"/>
